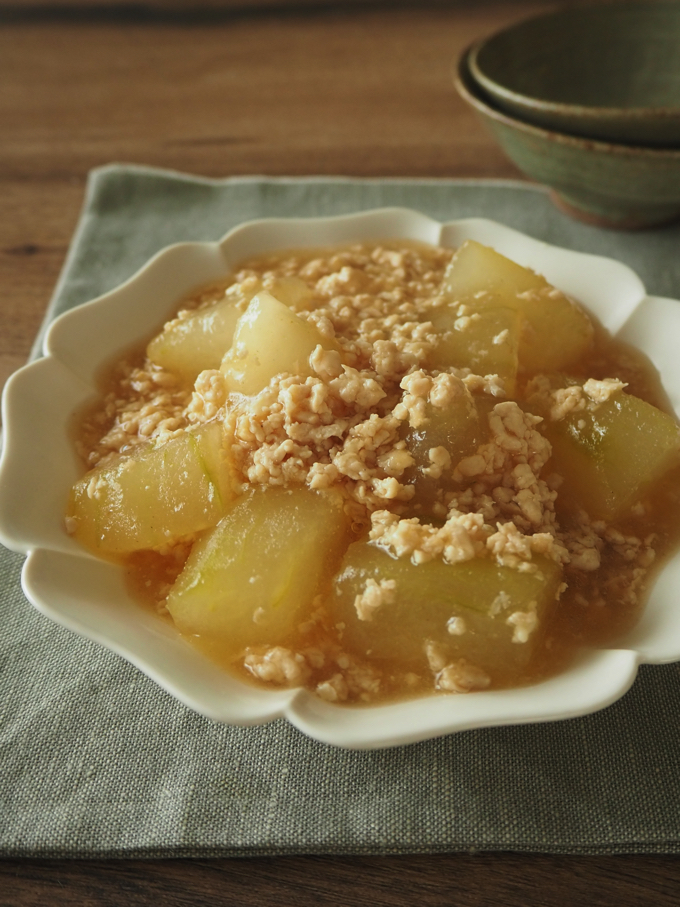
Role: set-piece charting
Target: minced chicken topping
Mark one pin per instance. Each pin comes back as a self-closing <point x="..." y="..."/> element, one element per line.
<point x="344" y="427"/>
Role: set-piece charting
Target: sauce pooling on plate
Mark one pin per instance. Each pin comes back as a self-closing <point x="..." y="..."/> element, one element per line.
<point x="382" y="470"/>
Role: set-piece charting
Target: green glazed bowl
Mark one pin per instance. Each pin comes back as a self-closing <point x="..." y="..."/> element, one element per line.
<point x="610" y="72"/>
<point x="610" y="185"/>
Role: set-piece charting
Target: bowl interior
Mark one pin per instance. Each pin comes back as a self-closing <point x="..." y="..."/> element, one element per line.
<point x="613" y="67"/>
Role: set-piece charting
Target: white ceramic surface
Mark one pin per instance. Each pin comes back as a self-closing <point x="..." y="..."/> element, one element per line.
<point x="88" y="596"/>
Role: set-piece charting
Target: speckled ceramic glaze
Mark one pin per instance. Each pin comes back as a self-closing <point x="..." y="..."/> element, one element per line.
<point x="610" y="72"/>
<point x="610" y="185"/>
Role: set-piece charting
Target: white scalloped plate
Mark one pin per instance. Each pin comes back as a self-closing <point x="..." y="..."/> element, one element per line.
<point x="88" y="596"/>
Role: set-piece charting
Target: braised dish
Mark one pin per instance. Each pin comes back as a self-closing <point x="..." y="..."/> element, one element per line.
<point x="105" y="596"/>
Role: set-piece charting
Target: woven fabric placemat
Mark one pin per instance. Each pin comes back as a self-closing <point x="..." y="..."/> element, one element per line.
<point x="96" y="760"/>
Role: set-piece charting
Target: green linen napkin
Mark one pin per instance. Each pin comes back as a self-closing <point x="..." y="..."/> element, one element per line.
<point x="96" y="760"/>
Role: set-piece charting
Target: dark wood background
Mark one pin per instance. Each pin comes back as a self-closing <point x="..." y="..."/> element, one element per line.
<point x="362" y="89"/>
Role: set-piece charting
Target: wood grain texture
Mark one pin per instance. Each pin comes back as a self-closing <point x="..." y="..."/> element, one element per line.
<point x="481" y="880"/>
<point x="356" y="91"/>
<point x="336" y="91"/>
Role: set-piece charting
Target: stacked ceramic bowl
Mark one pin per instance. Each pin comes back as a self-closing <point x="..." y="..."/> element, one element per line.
<point x="587" y="101"/>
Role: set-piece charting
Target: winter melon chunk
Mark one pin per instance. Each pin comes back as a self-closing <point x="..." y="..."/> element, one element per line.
<point x="187" y="346"/>
<point x="554" y="331"/>
<point x="269" y="339"/>
<point x="492" y="616"/>
<point x="254" y="577"/>
<point x="153" y="496"/>
<point x="292" y="292"/>
<point x="447" y="435"/>
<point x="484" y="340"/>
<point x="608" y="457"/>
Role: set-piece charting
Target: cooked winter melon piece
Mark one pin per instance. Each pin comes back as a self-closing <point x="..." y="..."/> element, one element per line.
<point x="485" y="341"/>
<point x="490" y="615"/>
<point x="610" y="456"/>
<point x="480" y="269"/>
<point x="269" y="339"/>
<point x="458" y="429"/>
<point x="292" y="292"/>
<point x="554" y="331"/>
<point x="187" y="346"/>
<point x="154" y="495"/>
<point x="253" y="578"/>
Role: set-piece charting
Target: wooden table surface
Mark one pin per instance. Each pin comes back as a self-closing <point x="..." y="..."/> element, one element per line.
<point x="362" y="90"/>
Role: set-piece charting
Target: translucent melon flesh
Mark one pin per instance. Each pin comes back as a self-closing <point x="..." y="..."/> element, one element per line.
<point x="609" y="457"/>
<point x="427" y="596"/>
<point x="485" y="341"/>
<point x="458" y="429"/>
<point x="292" y="292"/>
<point x="479" y="269"/>
<point x="554" y="331"/>
<point x="269" y="339"/>
<point x="154" y="495"/>
<point x="254" y="577"/>
<point x="187" y="346"/>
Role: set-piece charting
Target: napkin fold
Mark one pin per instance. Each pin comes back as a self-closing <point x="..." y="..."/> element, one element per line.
<point x="96" y="760"/>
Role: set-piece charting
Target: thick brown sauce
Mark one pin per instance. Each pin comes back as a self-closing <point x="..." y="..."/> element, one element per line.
<point x="592" y="612"/>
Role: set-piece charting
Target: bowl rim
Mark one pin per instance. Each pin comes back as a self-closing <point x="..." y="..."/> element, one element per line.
<point x="466" y="87"/>
<point x="534" y="102"/>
